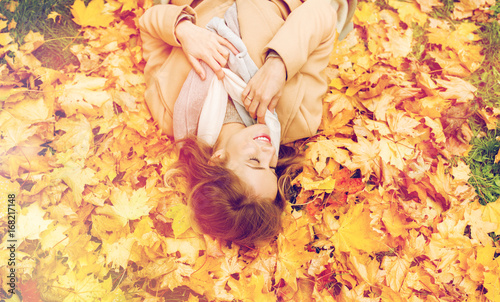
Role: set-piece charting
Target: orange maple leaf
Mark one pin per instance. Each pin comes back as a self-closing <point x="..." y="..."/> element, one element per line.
<point x="90" y="15"/>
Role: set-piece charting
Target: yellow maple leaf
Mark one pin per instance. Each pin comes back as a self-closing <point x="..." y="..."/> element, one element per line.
<point x="83" y="93"/>
<point x="457" y="88"/>
<point x="395" y="153"/>
<point x="491" y="213"/>
<point x="118" y="252"/>
<point x="87" y="289"/>
<point x="492" y="284"/>
<point x="54" y="237"/>
<point x="77" y="137"/>
<point x="396" y="268"/>
<point x="130" y="207"/>
<point x="14" y="131"/>
<point x="32" y="41"/>
<point x="5" y="39"/>
<point x="76" y="177"/>
<point x="91" y="15"/>
<point x="396" y="223"/>
<point x="180" y="213"/>
<point x="409" y="11"/>
<point x="31" y="223"/>
<point x="356" y="233"/>
<point x="128" y="5"/>
<point x="30" y="110"/>
<point x="290" y="259"/>
<point x="366" y="267"/>
<point x="399" y="122"/>
<point x="367" y="12"/>
<point x="321" y="150"/>
<point x="53" y="16"/>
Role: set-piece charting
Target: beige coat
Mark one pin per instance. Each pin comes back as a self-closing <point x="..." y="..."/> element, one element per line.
<point x="301" y="33"/>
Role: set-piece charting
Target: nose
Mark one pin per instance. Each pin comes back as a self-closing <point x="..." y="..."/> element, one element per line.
<point x="268" y="153"/>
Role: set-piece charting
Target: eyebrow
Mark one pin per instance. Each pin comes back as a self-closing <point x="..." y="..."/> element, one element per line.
<point x="255" y="167"/>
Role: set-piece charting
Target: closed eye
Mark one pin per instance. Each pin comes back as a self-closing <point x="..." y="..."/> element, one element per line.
<point x="255" y="159"/>
<point x="258" y="162"/>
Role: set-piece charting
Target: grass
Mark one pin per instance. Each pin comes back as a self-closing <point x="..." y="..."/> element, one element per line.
<point x="487" y="77"/>
<point x="485" y="172"/>
<point x="444" y="11"/>
<point x="420" y="41"/>
<point x="58" y="34"/>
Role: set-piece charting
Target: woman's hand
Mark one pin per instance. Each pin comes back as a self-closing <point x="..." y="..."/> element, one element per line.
<point x="264" y="89"/>
<point x="201" y="44"/>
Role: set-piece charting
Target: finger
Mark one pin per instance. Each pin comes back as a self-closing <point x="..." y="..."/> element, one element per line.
<point x="261" y="113"/>
<point x="228" y="45"/>
<point x="246" y="99"/>
<point x="197" y="66"/>
<point x="223" y="51"/>
<point x="253" y="109"/>
<point x="220" y="59"/>
<point x="274" y="103"/>
<point x="214" y="65"/>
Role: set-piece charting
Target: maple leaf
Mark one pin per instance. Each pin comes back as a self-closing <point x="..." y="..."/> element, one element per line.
<point x="83" y="93"/>
<point x="54" y="237"/>
<point x="367" y="268"/>
<point x="355" y="232"/>
<point x="5" y="39"/>
<point x="53" y="15"/>
<point x="31" y="223"/>
<point x="130" y="207"/>
<point x="491" y="213"/>
<point x="409" y="11"/>
<point x="86" y="289"/>
<point x="396" y="223"/>
<point x="453" y="119"/>
<point x="188" y="248"/>
<point x="457" y="88"/>
<point x="76" y="177"/>
<point x="118" y="252"/>
<point x="180" y="213"/>
<point x="91" y="15"/>
<point x="15" y="131"/>
<point x="29" y="291"/>
<point x="395" y="153"/>
<point x="30" y="110"/>
<point x="479" y="228"/>
<point x="290" y="259"/>
<point x="396" y="270"/>
<point x="32" y="41"/>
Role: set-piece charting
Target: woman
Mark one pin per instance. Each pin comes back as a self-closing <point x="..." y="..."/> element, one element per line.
<point x="233" y="183"/>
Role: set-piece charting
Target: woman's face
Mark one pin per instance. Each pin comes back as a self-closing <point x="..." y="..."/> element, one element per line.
<point x="253" y="159"/>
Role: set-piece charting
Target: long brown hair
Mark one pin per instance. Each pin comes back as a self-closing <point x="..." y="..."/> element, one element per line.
<point x="222" y="204"/>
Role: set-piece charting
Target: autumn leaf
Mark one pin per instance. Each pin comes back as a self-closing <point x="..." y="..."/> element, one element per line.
<point x="91" y="15"/>
<point x="130" y="206"/>
<point x="381" y="208"/>
<point x="85" y="289"/>
<point x="355" y="232"/>
<point x="31" y="223"/>
<point x="180" y="213"/>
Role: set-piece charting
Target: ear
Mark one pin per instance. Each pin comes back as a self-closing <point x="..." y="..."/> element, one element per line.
<point x="217" y="156"/>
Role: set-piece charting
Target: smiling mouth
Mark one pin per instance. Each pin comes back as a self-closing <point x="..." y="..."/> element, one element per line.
<point x="263" y="137"/>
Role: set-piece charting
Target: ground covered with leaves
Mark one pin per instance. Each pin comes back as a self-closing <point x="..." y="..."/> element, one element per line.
<point x="384" y="208"/>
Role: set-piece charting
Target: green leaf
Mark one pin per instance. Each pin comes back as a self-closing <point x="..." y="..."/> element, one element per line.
<point x="180" y="214"/>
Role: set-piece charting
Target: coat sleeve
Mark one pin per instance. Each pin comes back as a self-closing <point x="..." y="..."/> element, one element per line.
<point x="305" y="28"/>
<point x="157" y="27"/>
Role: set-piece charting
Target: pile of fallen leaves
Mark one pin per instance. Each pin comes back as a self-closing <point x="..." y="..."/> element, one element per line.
<point x="382" y="212"/>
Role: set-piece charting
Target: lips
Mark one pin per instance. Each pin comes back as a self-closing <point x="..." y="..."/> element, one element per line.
<point x="263" y="137"/>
